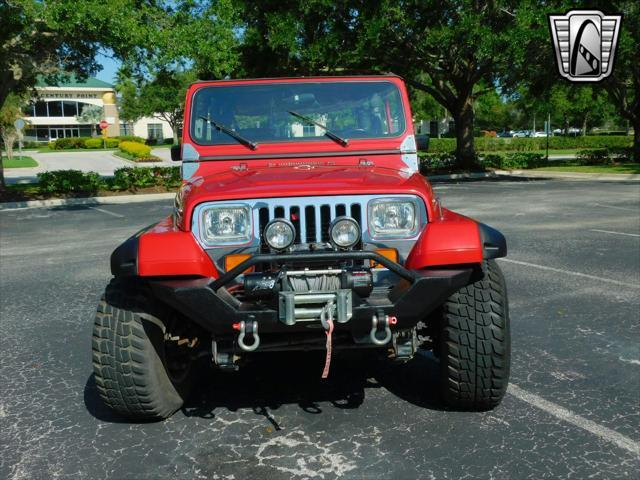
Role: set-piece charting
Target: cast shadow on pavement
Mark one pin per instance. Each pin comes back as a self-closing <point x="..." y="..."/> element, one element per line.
<point x="276" y="379"/>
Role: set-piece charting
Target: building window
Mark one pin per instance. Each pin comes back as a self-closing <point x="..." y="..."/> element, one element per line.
<point x="154" y="130"/>
<point x="41" y="109"/>
<point x="125" y="129"/>
<point x="70" y="108"/>
<point x="55" y="109"/>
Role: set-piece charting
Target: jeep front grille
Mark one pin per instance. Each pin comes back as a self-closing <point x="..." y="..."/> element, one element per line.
<point x="310" y="216"/>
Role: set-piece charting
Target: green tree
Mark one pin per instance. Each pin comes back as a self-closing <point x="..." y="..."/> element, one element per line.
<point x="161" y="97"/>
<point x="129" y="109"/>
<point x="492" y="112"/>
<point x="455" y="46"/>
<point x="57" y="36"/>
<point x="623" y="86"/>
<point x="534" y="63"/>
<point x="9" y="113"/>
<point x="91" y="114"/>
<point x="191" y="40"/>
<point x="461" y="46"/>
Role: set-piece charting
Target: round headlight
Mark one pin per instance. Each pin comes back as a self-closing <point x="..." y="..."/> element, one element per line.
<point x="344" y="232"/>
<point x="279" y="234"/>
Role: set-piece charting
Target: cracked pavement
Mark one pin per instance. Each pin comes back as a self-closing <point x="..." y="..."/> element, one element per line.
<point x="575" y="335"/>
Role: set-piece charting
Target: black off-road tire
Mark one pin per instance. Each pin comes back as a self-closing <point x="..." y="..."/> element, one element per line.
<point x="129" y="356"/>
<point x="474" y="343"/>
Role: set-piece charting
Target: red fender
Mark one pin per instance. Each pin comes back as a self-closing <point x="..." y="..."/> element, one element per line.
<point x="165" y="250"/>
<point x="451" y="240"/>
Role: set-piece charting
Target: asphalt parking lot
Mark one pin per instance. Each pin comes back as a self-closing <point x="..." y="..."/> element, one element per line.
<point x="572" y="411"/>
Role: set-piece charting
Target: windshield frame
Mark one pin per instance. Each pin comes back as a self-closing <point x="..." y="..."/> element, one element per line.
<point x="293" y="81"/>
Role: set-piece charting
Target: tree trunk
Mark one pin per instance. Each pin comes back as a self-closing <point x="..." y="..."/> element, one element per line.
<point x="174" y="129"/>
<point x="465" y="147"/>
<point x="584" y="125"/>
<point x="1" y="173"/>
<point x="636" y="140"/>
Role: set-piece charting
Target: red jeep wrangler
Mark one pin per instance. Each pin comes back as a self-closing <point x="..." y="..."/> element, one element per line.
<point x="303" y="223"/>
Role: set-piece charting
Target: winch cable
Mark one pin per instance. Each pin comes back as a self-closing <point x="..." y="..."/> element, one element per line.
<point x="327" y="362"/>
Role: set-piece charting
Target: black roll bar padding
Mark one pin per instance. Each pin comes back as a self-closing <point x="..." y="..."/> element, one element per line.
<point x="324" y="256"/>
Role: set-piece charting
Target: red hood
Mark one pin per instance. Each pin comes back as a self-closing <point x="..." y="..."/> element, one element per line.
<point x="265" y="182"/>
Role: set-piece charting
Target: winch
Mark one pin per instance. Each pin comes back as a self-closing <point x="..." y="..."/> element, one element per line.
<point x="304" y="294"/>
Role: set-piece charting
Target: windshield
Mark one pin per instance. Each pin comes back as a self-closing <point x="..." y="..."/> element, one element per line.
<point x="263" y="112"/>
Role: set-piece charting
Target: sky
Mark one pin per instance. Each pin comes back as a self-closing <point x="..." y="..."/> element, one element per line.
<point x="109" y="68"/>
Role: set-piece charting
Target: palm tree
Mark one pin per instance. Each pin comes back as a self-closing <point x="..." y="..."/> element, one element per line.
<point x="92" y="114"/>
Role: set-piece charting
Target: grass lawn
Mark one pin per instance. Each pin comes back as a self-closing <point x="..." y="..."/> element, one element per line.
<point x="19" y="162"/>
<point x="131" y="158"/>
<point x="620" y="168"/>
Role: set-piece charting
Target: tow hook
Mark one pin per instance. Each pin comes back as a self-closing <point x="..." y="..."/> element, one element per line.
<point x="376" y="322"/>
<point x="250" y="328"/>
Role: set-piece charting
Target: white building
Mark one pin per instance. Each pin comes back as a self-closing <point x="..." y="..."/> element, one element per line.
<point x="148" y="127"/>
<point x="52" y="114"/>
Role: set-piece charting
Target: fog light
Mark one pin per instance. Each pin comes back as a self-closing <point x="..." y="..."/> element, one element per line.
<point x="344" y="232"/>
<point x="279" y="234"/>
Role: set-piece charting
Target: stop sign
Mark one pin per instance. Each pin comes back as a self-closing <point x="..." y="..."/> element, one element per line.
<point x="104" y="124"/>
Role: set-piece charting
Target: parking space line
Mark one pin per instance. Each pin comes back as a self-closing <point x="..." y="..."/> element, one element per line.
<point x="562" y="413"/>
<point x="569" y="272"/>
<point x="107" y="212"/>
<point x="615" y="233"/>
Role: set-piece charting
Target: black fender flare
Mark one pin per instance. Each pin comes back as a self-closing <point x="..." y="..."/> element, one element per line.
<point x="124" y="259"/>
<point x="494" y="244"/>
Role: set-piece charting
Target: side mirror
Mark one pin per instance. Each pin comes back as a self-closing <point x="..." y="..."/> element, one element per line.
<point x="176" y="153"/>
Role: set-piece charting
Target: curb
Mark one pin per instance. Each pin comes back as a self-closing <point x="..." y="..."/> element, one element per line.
<point x="116" y="199"/>
<point x="462" y="176"/>
<point x="618" y="177"/>
<point x="570" y="175"/>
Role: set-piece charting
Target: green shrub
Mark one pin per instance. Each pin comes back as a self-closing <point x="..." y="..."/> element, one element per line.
<point x="93" y="143"/>
<point x="441" y="145"/>
<point x="492" y="160"/>
<point x="436" y="161"/>
<point x="138" y="177"/>
<point x="102" y="143"/>
<point x="491" y="144"/>
<point x="133" y="178"/>
<point x="136" y="150"/>
<point x="520" y="160"/>
<point x="130" y="138"/>
<point x="594" y="157"/>
<point x="69" y="143"/>
<point x="70" y="181"/>
<point x="167" y="176"/>
<point x="622" y="154"/>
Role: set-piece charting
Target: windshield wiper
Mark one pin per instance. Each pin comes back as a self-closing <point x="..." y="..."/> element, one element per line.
<point x="342" y="141"/>
<point x="231" y="132"/>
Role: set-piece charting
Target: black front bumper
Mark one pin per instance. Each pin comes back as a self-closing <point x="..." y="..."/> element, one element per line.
<point x="417" y="293"/>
